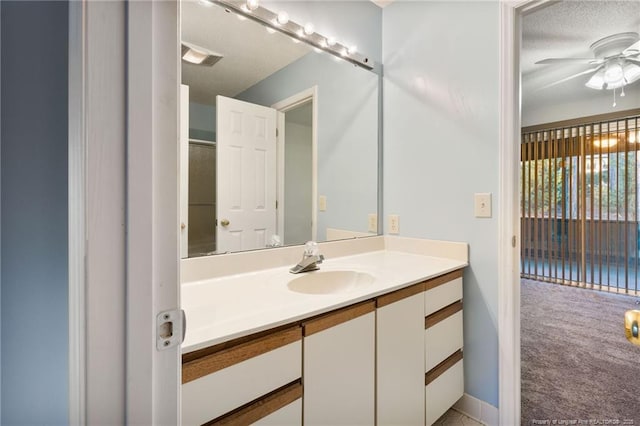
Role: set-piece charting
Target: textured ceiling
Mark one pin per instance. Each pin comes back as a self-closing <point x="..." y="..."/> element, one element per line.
<point x="250" y="53"/>
<point x="567" y="29"/>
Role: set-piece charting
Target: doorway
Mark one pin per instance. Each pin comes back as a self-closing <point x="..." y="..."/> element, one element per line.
<point x="578" y="202"/>
<point x="297" y="173"/>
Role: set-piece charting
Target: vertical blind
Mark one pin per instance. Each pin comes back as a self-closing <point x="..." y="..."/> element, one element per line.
<point x="579" y="204"/>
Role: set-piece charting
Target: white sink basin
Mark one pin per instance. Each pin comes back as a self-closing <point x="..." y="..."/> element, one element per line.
<point x="330" y="282"/>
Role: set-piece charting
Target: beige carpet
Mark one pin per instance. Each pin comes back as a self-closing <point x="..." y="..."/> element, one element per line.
<point x="577" y="364"/>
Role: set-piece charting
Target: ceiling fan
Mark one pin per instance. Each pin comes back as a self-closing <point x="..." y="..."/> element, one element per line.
<point x="616" y="63"/>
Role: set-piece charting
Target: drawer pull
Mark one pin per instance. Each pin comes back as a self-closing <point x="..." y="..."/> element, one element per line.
<point x="211" y="362"/>
<point x="439" y="369"/>
<point x="332" y="319"/>
<point x="442" y="314"/>
<point x="433" y="283"/>
<point x="261" y="407"/>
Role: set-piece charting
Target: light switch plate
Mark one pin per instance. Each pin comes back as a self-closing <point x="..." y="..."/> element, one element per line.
<point x="394" y="224"/>
<point x="322" y="203"/>
<point x="482" y="204"/>
<point x="373" y="223"/>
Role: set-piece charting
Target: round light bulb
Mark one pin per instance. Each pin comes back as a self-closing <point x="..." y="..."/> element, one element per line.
<point x="613" y="73"/>
<point x="331" y="41"/>
<point x="283" y="18"/>
<point x="308" y="28"/>
<point x="253" y="4"/>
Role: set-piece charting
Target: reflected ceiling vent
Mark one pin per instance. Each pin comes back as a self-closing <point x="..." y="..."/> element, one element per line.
<point x="199" y="55"/>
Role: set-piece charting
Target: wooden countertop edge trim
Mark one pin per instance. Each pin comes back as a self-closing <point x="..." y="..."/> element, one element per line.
<point x="442" y="314"/>
<point x="261" y="407"/>
<point x="439" y="369"/>
<point x="239" y="350"/>
<point x="403" y="293"/>
<point x="334" y="318"/>
<point x="443" y="279"/>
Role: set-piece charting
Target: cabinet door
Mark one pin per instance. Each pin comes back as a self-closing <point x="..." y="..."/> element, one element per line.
<point x="400" y="359"/>
<point x="339" y="367"/>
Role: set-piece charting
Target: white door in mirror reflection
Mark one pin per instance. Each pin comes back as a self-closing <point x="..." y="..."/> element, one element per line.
<point x="246" y="181"/>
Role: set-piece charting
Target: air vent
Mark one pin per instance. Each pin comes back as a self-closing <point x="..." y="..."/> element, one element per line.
<point x="199" y="55"/>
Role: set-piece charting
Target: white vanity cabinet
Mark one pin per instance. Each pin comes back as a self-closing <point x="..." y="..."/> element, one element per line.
<point x="419" y="351"/>
<point x="400" y="357"/>
<point x="394" y="359"/>
<point x="339" y="367"/>
<point x="255" y="379"/>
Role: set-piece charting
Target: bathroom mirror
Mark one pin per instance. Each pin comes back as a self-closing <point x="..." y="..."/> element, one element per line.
<point x="280" y="140"/>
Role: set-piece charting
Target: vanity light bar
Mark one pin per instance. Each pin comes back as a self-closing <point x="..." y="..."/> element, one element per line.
<point x="296" y="31"/>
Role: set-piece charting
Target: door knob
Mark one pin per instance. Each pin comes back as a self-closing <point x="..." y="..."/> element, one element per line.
<point x="631" y="320"/>
<point x="182" y="225"/>
<point x="224" y="222"/>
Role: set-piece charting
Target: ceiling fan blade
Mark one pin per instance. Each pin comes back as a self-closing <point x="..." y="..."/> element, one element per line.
<point x="568" y="61"/>
<point x="634" y="49"/>
<point x="571" y="77"/>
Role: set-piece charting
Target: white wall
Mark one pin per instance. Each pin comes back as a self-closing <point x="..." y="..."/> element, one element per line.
<point x="594" y="103"/>
<point x="441" y="146"/>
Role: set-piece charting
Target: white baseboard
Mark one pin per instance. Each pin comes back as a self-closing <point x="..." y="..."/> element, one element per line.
<point x="477" y="409"/>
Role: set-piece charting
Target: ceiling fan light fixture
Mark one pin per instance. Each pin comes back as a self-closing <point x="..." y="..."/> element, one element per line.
<point x="631" y="73"/>
<point x="597" y="81"/>
<point x="613" y="74"/>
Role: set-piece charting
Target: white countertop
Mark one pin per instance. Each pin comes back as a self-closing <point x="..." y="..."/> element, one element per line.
<point x="228" y="307"/>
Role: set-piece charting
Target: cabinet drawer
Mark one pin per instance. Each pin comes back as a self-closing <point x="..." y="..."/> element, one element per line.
<point x="443" y="339"/>
<point x="213" y="395"/>
<point x="442" y="295"/>
<point x="443" y="392"/>
<point x="289" y="415"/>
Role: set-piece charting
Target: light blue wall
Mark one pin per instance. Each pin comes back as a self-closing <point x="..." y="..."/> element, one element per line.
<point x="34" y="314"/>
<point x="347" y="133"/>
<point x="441" y="146"/>
<point x="348" y="102"/>
<point x="202" y="121"/>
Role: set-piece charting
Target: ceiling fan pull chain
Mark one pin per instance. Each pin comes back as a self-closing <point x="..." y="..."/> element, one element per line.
<point x="614" y="98"/>
<point x="622" y="94"/>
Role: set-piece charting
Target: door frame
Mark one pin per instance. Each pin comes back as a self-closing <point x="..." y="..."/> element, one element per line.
<point x="123" y="211"/>
<point x="282" y="107"/>
<point x="510" y="39"/>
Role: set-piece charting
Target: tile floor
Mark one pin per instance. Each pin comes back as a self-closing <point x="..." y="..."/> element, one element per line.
<point x="454" y="418"/>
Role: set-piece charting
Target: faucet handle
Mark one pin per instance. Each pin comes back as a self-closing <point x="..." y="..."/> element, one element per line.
<point x="311" y="249"/>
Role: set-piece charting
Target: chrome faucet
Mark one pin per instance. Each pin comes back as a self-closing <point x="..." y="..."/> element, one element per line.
<point x="311" y="258"/>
